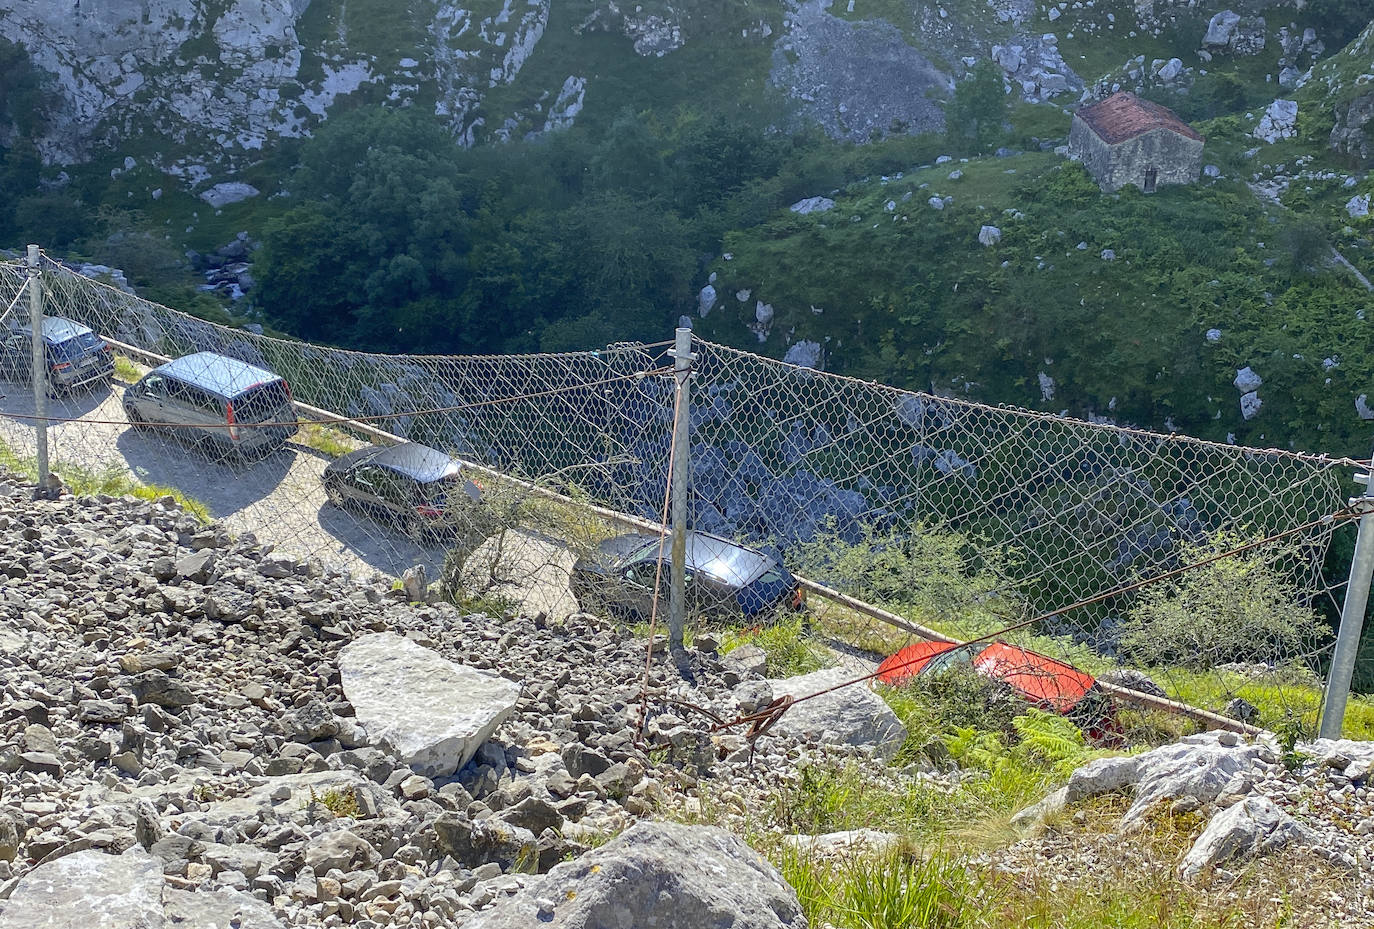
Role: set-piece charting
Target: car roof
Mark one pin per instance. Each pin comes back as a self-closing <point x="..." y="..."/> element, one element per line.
<point x="57" y="329"/>
<point x="420" y="462"/>
<point x="226" y="376"/>
<point x="725" y="560"/>
<point x="1038" y="678"/>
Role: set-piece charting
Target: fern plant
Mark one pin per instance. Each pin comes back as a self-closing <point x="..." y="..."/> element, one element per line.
<point x="1052" y="741"/>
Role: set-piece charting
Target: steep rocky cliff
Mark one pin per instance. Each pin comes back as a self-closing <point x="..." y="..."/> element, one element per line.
<point x="200" y="87"/>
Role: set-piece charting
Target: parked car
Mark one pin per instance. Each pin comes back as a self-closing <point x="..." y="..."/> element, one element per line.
<point x="76" y="356"/>
<point x="222" y="403"/>
<point x="416" y="487"/>
<point x="1038" y="679"/>
<point x="725" y="580"/>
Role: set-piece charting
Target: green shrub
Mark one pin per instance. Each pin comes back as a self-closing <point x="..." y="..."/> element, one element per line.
<point x="1245" y="608"/>
<point x="931" y="571"/>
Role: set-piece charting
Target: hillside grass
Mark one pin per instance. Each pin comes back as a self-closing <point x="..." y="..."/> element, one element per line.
<point x="110" y="480"/>
<point x="717" y="70"/>
<point x="908" y="295"/>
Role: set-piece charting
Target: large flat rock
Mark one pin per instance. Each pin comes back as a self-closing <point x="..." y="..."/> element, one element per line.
<point x="89" y="890"/>
<point x="660" y="875"/>
<point x="852" y="715"/>
<point x="431" y="712"/>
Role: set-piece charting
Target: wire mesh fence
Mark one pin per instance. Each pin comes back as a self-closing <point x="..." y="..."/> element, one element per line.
<point x="959" y="516"/>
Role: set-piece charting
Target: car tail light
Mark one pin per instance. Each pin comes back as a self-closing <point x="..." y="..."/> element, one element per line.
<point x="62" y="367"/>
<point x="229" y="416"/>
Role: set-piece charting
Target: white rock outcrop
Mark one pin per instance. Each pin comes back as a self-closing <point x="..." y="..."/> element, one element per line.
<point x="849" y="716"/>
<point x="989" y="235"/>
<point x="1280" y="121"/>
<point x="813" y="205"/>
<point x="433" y="713"/>
<point x="805" y="354"/>
<point x="656" y="874"/>
<point x="227" y="193"/>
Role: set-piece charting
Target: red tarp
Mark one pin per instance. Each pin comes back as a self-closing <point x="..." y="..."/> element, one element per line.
<point x="1038" y="678"/>
<point x="910" y="661"/>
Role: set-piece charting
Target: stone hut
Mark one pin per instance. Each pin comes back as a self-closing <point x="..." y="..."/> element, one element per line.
<point x="1125" y="140"/>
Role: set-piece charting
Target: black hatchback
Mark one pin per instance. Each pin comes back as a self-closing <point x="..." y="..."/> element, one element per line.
<point x="725" y="580"/>
<point x="76" y="356"/>
<point x="413" y="486"/>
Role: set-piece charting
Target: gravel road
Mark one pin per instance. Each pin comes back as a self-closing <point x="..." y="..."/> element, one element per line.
<point x="279" y="498"/>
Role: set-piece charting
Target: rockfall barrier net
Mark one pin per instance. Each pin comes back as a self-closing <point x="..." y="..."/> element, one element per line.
<point x="958" y="515"/>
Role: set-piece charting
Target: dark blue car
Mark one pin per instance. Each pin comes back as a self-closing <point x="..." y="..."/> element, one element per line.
<point x="725" y="580"/>
<point x="76" y="356"/>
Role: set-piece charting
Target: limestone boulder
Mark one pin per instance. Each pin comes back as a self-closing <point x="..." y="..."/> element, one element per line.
<point x="656" y="874"/>
<point x="428" y="710"/>
<point x="89" y="888"/>
<point x="852" y="715"/>
<point x="1250" y="827"/>
<point x="1197" y="769"/>
<point x="1221" y="30"/>
<point x="1200" y="768"/>
<point x="841" y="844"/>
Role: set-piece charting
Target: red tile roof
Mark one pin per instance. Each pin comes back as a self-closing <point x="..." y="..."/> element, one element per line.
<point x="1124" y="116"/>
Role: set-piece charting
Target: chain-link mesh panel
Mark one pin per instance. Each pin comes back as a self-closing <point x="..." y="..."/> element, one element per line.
<point x="970" y="518"/>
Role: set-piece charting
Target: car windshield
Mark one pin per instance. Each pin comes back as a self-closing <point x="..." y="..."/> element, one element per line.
<point x="263" y="404"/>
<point x="75" y="347"/>
<point x="726" y="562"/>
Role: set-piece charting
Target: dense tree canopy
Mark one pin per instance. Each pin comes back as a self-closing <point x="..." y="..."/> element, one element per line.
<point x="397" y="238"/>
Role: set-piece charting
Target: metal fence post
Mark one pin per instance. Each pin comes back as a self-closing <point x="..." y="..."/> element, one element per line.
<point x="1352" y="616"/>
<point x="40" y="369"/>
<point x="677" y="593"/>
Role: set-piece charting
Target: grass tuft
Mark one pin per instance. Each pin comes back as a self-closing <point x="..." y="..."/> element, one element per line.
<point x="789" y="648"/>
<point x="327" y="440"/>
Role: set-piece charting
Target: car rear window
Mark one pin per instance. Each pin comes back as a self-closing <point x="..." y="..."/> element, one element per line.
<point x="263" y="404"/>
<point x="76" y="347"/>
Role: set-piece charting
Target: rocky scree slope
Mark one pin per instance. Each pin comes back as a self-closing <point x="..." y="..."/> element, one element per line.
<point x="196" y="724"/>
